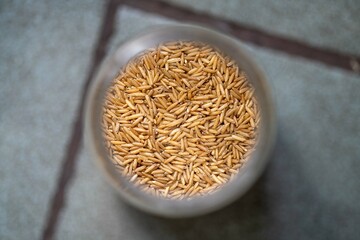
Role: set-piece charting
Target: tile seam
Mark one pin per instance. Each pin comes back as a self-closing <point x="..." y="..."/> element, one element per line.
<point x="68" y="167"/>
<point x="251" y="35"/>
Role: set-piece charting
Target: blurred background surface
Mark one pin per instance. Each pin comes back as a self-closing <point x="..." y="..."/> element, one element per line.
<point x="48" y="49"/>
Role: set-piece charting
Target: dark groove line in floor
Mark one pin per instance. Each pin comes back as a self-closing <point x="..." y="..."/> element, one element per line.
<point x="72" y="149"/>
<point x="251" y="35"/>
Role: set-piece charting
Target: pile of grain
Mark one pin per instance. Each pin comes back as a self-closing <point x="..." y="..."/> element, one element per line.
<point x="180" y="120"/>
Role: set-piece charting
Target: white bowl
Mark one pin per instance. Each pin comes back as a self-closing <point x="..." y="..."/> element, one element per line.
<point x="247" y="175"/>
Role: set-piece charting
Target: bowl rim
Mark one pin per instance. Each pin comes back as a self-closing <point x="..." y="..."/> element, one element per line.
<point x="248" y="174"/>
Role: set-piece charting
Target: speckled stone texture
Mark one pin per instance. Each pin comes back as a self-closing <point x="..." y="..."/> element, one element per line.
<point x="45" y="51"/>
<point x="310" y="190"/>
<point x="327" y="23"/>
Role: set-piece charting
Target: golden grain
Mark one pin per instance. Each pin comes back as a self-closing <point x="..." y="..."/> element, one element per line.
<point x="180" y="120"/>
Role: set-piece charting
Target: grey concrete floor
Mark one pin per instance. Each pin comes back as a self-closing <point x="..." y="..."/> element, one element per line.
<point x="328" y="23"/>
<point x="44" y="56"/>
<point x="310" y="190"/>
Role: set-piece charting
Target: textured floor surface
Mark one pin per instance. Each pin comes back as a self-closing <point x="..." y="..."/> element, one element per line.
<point x="45" y="50"/>
<point x="310" y="189"/>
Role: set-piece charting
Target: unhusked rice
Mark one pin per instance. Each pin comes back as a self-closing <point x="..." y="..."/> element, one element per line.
<point x="180" y="120"/>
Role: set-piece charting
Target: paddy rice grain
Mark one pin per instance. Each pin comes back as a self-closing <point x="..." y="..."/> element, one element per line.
<point x="180" y="120"/>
